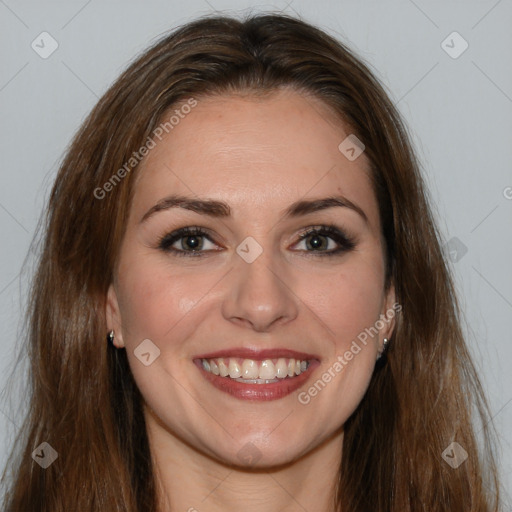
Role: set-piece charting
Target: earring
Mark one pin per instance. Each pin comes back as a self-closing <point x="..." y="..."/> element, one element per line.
<point x="110" y="337"/>
<point x="385" y="342"/>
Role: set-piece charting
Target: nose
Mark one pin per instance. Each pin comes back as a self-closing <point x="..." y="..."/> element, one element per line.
<point x="259" y="294"/>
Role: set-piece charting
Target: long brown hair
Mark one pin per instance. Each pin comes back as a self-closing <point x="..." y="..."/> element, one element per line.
<point x="84" y="401"/>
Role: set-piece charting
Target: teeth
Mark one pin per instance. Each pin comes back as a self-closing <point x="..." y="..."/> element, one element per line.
<point x="223" y="369"/>
<point x="250" y="371"/>
<point x="214" y="368"/>
<point x="267" y="370"/>
<point x="234" y="369"/>
<point x="282" y="368"/>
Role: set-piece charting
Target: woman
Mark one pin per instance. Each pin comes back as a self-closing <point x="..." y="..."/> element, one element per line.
<point x="242" y="217"/>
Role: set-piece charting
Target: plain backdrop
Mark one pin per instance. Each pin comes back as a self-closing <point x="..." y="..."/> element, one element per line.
<point x="456" y="101"/>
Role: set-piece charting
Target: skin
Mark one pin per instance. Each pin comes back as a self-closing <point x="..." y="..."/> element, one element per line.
<point x="259" y="155"/>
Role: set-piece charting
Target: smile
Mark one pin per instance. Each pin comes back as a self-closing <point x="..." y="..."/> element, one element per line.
<point x="263" y="376"/>
<point x="251" y="371"/>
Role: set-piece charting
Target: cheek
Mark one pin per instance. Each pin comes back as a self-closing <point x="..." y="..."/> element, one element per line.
<point x="349" y="305"/>
<point x="155" y="299"/>
<point x="348" y="301"/>
<point x="158" y="303"/>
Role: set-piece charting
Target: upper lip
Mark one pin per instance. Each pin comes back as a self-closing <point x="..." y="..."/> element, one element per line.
<point x="257" y="354"/>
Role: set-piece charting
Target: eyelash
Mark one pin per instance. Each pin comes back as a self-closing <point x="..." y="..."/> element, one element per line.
<point x="345" y="242"/>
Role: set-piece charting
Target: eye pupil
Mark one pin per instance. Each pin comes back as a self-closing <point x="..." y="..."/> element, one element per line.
<point x="195" y="241"/>
<point x="315" y="242"/>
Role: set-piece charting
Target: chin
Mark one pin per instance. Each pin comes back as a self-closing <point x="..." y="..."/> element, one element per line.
<point x="252" y="453"/>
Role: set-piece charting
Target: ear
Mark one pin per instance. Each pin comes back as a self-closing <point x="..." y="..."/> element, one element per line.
<point x="113" y="317"/>
<point x="390" y="308"/>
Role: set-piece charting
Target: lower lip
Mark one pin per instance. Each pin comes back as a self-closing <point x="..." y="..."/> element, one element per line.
<point x="258" y="392"/>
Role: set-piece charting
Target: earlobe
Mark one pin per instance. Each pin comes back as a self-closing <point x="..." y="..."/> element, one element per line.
<point x="113" y="317"/>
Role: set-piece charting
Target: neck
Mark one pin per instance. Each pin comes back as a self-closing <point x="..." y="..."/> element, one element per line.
<point x="190" y="481"/>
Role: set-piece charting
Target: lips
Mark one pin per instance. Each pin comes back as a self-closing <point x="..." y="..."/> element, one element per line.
<point x="262" y="375"/>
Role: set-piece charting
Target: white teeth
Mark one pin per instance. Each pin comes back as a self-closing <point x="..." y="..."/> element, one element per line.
<point x="249" y="369"/>
<point x="255" y="372"/>
<point x="234" y="369"/>
<point x="223" y="369"/>
<point x="214" y="368"/>
<point x="282" y="368"/>
<point x="267" y="370"/>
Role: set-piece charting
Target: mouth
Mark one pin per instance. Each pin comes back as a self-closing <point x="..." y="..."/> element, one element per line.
<point x="257" y="375"/>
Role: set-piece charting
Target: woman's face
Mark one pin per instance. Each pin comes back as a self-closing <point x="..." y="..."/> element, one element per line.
<point x="216" y="323"/>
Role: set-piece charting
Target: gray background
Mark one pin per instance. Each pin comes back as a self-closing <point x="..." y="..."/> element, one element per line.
<point x="459" y="111"/>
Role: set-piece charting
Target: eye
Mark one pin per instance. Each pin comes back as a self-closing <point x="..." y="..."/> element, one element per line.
<point x="318" y="237"/>
<point x="191" y="241"/>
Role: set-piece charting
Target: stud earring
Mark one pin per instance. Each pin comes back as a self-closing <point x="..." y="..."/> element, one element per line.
<point x="110" y="337"/>
<point x="385" y="343"/>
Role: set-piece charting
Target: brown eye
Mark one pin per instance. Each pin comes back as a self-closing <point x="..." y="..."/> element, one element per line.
<point x="192" y="242"/>
<point x="318" y="240"/>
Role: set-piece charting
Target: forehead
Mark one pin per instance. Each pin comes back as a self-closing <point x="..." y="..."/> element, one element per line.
<point x="259" y="154"/>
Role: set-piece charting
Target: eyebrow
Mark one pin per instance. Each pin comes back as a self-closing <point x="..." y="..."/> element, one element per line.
<point x="220" y="209"/>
